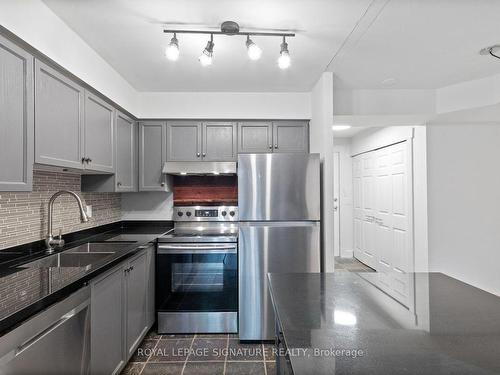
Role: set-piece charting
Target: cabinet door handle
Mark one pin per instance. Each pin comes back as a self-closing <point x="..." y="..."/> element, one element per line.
<point x="198" y="154"/>
<point x="204" y="154"/>
<point x="270" y="147"/>
<point x="89" y="160"/>
<point x="162" y="184"/>
<point x="84" y="160"/>
<point x="118" y="184"/>
<point x="276" y="145"/>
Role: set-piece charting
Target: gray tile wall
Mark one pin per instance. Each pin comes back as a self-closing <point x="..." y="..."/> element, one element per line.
<point x="23" y="215"/>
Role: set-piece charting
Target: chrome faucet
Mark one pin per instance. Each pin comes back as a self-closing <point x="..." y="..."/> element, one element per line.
<point x="50" y="241"/>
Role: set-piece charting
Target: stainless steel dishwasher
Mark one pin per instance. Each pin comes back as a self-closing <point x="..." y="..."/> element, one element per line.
<point x="55" y="341"/>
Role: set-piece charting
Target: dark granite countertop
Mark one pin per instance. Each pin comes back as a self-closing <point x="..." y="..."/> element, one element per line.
<point x="455" y="328"/>
<point x="24" y="291"/>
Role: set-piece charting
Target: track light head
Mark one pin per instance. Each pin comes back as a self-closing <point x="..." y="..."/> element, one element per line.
<point x="172" y="50"/>
<point x="284" y="59"/>
<point x="254" y="51"/>
<point x="207" y="54"/>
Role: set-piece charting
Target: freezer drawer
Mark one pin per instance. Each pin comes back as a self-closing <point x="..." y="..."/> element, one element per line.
<point x="266" y="247"/>
<point x="282" y="187"/>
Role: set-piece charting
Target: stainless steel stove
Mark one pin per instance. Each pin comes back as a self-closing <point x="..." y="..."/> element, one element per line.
<point x="197" y="271"/>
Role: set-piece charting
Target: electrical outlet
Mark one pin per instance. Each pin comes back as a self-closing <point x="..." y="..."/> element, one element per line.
<point x="89" y="211"/>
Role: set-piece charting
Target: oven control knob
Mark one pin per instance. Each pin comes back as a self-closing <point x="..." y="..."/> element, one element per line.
<point x="231" y="213"/>
<point x="224" y="213"/>
<point x="188" y="213"/>
<point x="180" y="213"/>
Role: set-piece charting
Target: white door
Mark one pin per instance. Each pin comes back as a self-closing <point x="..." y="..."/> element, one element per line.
<point x="358" y="211"/>
<point x="383" y="216"/>
<point x="368" y="208"/>
<point x="336" y="204"/>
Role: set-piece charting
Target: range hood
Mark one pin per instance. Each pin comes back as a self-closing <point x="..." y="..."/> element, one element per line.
<point x="210" y="168"/>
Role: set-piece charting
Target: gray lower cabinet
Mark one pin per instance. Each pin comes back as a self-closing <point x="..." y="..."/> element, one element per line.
<point x="152" y="155"/>
<point x="99" y="134"/>
<point x="59" y="127"/>
<point x="107" y="355"/>
<point x="136" y="298"/>
<point x="255" y="137"/>
<point x="219" y="141"/>
<point x="121" y="312"/>
<point x="290" y="136"/>
<point x="126" y="153"/>
<point x="150" y="303"/>
<point x="184" y="141"/>
<point x="16" y="118"/>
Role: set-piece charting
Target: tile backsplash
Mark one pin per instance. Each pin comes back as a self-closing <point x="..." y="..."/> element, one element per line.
<point x="23" y="215"/>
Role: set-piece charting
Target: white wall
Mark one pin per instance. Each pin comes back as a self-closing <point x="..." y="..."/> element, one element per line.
<point x="35" y="23"/>
<point x="383" y="102"/>
<point x="225" y="105"/>
<point x="464" y="203"/>
<point x="321" y="138"/>
<point x="147" y="206"/>
<point x="346" y="213"/>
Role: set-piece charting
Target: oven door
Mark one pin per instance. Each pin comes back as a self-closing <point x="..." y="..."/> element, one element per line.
<point x="197" y="287"/>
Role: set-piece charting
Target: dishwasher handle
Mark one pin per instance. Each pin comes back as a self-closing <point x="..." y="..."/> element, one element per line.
<point x="52" y="327"/>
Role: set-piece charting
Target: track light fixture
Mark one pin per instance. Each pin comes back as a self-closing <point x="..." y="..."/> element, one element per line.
<point x="172" y="51"/>
<point x="284" y="59"/>
<point x="229" y="28"/>
<point x="254" y="51"/>
<point x="207" y="54"/>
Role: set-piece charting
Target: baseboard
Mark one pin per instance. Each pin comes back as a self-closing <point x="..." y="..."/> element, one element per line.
<point x="347" y="253"/>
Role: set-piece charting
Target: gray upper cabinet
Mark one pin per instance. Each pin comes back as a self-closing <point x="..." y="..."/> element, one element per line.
<point x="126" y="153"/>
<point x="219" y="141"/>
<point x="184" y="141"/>
<point x="255" y="137"/>
<point x="152" y="155"/>
<point x="108" y="322"/>
<point x="16" y="118"/>
<point x="136" y="300"/>
<point x="99" y="134"/>
<point x="290" y="136"/>
<point x="59" y="133"/>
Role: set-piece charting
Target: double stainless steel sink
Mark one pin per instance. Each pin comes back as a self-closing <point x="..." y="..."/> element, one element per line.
<point x="80" y="256"/>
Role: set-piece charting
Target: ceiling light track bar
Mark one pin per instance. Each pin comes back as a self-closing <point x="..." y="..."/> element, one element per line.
<point x="215" y="32"/>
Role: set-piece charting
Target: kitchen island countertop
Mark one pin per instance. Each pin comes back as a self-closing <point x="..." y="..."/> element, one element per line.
<point x="341" y="323"/>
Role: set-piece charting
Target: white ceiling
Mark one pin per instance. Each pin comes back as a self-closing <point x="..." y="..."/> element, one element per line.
<point x="128" y="34"/>
<point x="423" y="44"/>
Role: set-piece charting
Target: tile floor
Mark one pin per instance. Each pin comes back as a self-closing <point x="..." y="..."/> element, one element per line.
<point x="351" y="265"/>
<point x="200" y="355"/>
<point x="211" y="354"/>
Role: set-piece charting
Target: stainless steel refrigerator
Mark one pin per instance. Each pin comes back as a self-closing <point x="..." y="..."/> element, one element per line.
<point x="279" y="208"/>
